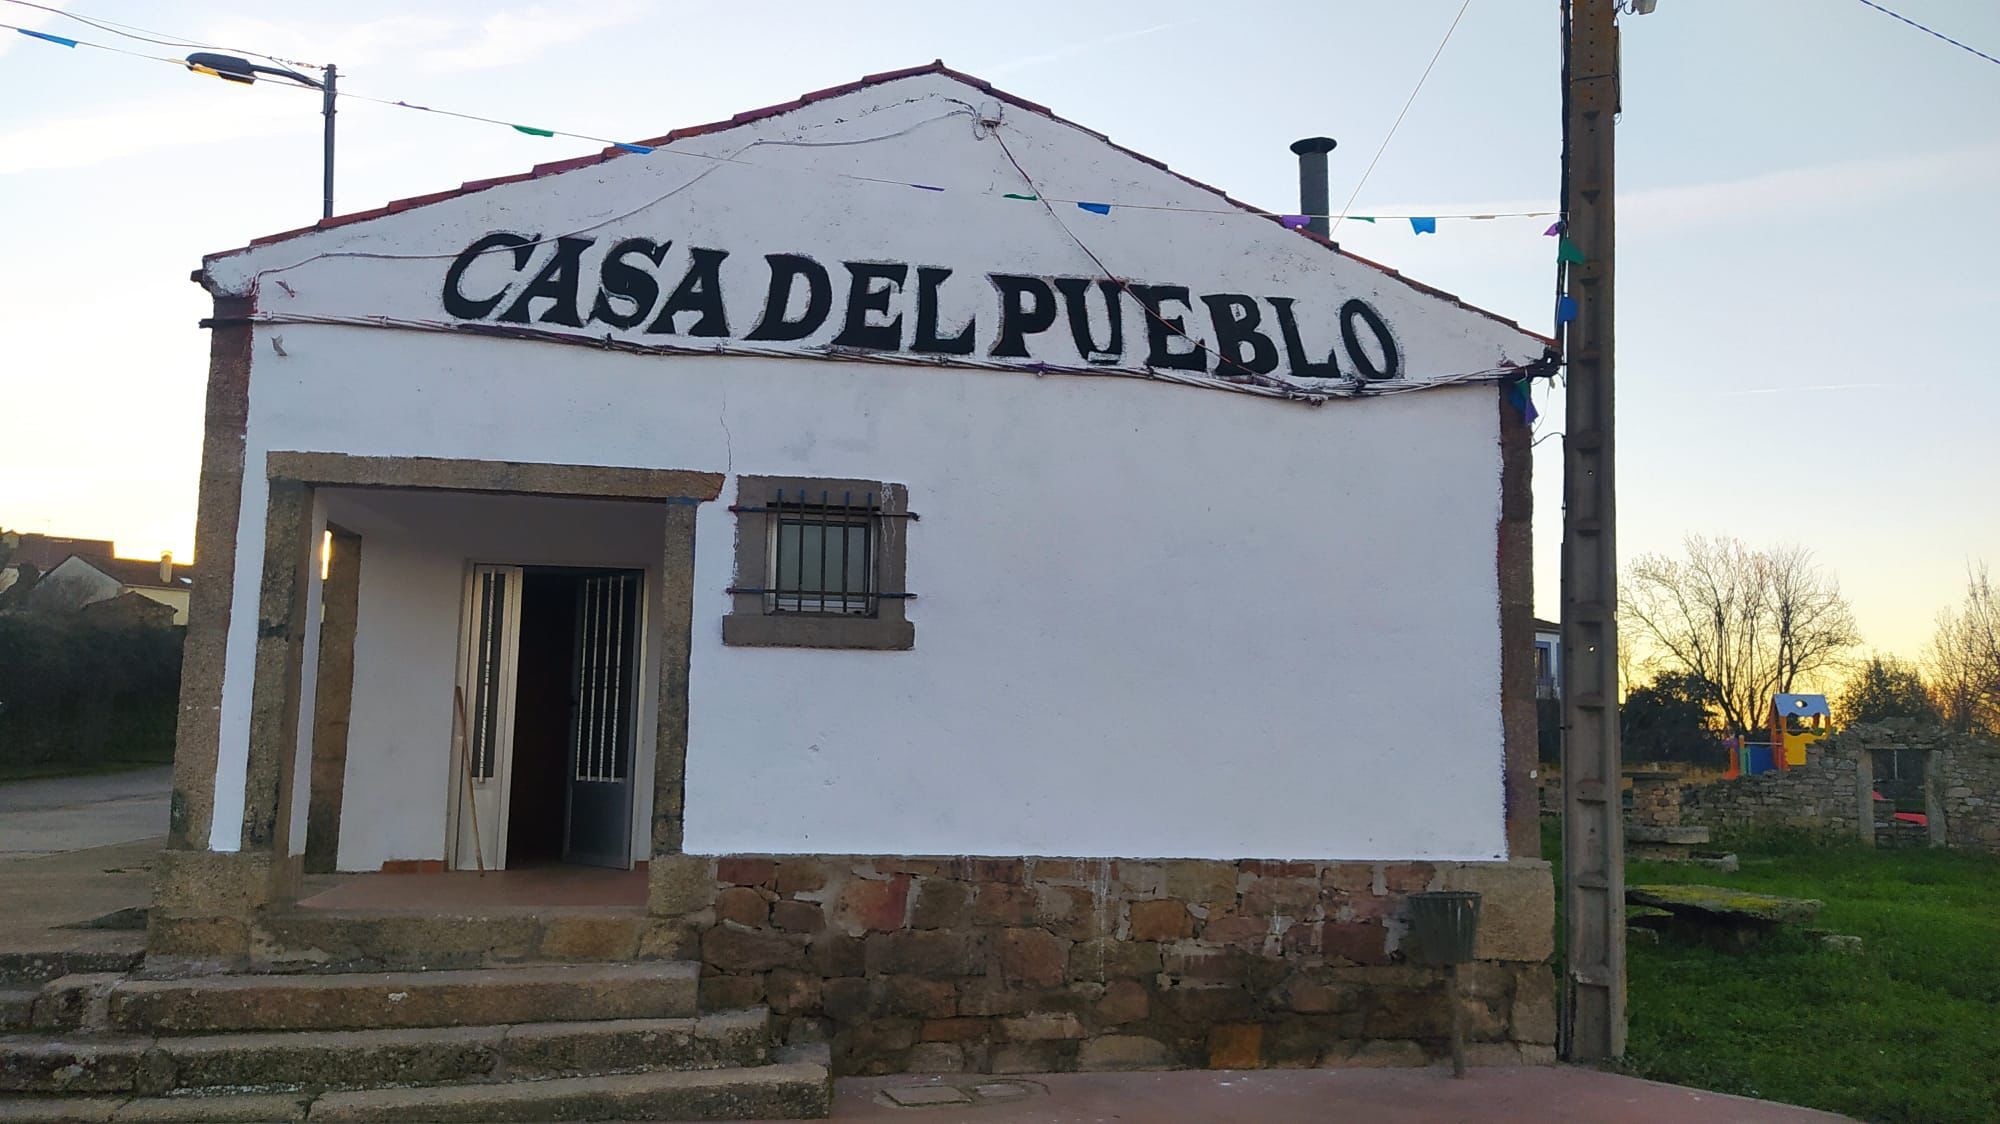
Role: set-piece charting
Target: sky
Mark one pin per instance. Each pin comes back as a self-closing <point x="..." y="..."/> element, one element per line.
<point x="1805" y="192"/>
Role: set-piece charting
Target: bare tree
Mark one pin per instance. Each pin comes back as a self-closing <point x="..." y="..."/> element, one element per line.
<point x="1745" y="623"/>
<point x="1964" y="658"/>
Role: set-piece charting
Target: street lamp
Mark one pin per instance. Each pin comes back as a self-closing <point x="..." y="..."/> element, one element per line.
<point x="229" y="68"/>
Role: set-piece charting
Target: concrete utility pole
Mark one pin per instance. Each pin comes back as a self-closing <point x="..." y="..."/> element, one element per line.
<point x="1593" y="838"/>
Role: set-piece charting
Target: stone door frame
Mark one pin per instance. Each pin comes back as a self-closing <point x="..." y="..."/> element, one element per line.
<point x="204" y="897"/>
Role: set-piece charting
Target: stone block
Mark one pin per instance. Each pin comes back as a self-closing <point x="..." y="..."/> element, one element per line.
<point x="1308" y="996"/>
<point x="1122" y="1052"/>
<point x="1236" y="1046"/>
<point x="584" y="936"/>
<point x="1138" y="879"/>
<point x="1041" y="1027"/>
<point x="1279" y="868"/>
<point x="747" y="870"/>
<point x="1162" y="920"/>
<point x="1201" y="881"/>
<point x="1238" y="930"/>
<point x="1207" y="1004"/>
<point x="799" y="876"/>
<point x="1349" y="878"/>
<point x="731" y="993"/>
<point x="679" y="884"/>
<point x="744" y="906"/>
<point x="1108" y="959"/>
<point x="1071" y="912"/>
<point x="1408" y="1013"/>
<point x="797" y="916"/>
<point x="1031" y="956"/>
<point x="873" y="905"/>
<point x="955" y="1030"/>
<point x="993" y="870"/>
<point x="1124" y="1001"/>
<point x="731" y="949"/>
<point x="837" y="954"/>
<point x="1534" y="1008"/>
<point x="940" y="903"/>
<point x="850" y="998"/>
<point x="988" y="997"/>
<point x="936" y="1057"/>
<point x="1004" y="903"/>
<point x="1024" y="1057"/>
<point x="927" y="952"/>
<point x="876" y="1045"/>
<point x="207" y="939"/>
<point x="1288" y="897"/>
<point x="789" y="991"/>
<point x="195" y="883"/>
<point x="916" y="997"/>
<point x="663" y="939"/>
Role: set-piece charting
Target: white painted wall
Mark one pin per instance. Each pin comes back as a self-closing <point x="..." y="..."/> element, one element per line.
<point x="1151" y="620"/>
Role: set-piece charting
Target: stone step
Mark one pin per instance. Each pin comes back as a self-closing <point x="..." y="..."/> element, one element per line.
<point x="385" y="1000"/>
<point x="318" y="940"/>
<point x="318" y="1060"/>
<point x="789" y="1091"/>
<point x="22" y="968"/>
<point x="17" y="1007"/>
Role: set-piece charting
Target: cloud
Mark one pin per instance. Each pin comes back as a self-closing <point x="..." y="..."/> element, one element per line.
<point x="1844" y="186"/>
<point x="85" y="139"/>
<point x="506" y="38"/>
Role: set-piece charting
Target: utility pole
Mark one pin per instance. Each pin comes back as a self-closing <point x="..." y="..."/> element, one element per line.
<point x="327" y="95"/>
<point x="1593" y="836"/>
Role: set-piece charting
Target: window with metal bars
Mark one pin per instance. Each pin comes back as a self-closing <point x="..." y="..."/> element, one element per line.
<point x="819" y="564"/>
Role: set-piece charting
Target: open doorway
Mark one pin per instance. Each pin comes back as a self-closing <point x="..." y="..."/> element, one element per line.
<point x="545" y="714"/>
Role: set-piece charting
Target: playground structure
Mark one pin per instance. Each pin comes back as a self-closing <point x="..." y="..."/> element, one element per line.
<point x="1795" y="722"/>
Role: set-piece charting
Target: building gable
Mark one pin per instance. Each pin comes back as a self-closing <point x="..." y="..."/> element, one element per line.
<point x="921" y="217"/>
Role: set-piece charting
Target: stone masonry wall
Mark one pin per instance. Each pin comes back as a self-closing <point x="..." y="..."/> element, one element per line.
<point x="1040" y="965"/>
<point x="1824" y="793"/>
<point x="1965" y="788"/>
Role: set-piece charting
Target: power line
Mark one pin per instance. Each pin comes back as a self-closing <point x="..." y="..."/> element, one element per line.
<point x="1929" y="31"/>
<point x="131" y="31"/>
<point x="1407" y="102"/>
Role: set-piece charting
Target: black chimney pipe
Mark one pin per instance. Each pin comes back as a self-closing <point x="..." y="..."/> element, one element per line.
<point x="1312" y="182"/>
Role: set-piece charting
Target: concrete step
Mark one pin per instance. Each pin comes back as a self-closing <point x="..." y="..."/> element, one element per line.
<point x="114" y="953"/>
<point x="353" y="1059"/>
<point x="385" y="1000"/>
<point x="791" y="1091"/>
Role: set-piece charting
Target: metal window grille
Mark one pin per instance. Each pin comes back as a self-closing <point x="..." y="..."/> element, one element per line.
<point x="604" y="649"/>
<point x="822" y="554"/>
<point x="486" y="692"/>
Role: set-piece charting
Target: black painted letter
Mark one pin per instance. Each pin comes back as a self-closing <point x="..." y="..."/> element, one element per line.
<point x="617" y="279"/>
<point x="1236" y="317"/>
<point x="1295" y="348"/>
<point x="863" y="297"/>
<point x="929" y="278"/>
<point x="557" y="281"/>
<point x="1364" y="364"/>
<point x="785" y="269"/>
<point x="700" y="291"/>
<point x="463" y="307"/>
<point x="1074" y="289"/>
<point x="1027" y="306"/>
<point x="1162" y="330"/>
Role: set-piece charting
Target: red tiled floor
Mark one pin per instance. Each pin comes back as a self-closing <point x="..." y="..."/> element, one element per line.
<point x="1538" y="1094"/>
<point x="532" y="887"/>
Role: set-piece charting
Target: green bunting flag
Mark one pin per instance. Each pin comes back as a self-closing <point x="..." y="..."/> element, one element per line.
<point x="1566" y="251"/>
<point x="1018" y="195"/>
<point x="534" y="132"/>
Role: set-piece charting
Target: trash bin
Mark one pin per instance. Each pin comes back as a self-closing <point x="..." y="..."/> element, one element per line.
<point x="1443" y="925"/>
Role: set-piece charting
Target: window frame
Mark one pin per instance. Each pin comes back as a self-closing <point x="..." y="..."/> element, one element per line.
<point x="753" y="620"/>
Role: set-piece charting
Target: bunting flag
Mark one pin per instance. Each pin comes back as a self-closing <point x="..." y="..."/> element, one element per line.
<point x="1566" y="251"/>
<point x="1423" y="225"/>
<point x="1018" y="195"/>
<point x="1096" y="208"/>
<point x="1294" y="222"/>
<point x="641" y="149"/>
<point x="1554" y="229"/>
<point x="1519" y="392"/>
<point x="1565" y="309"/>
<point x="46" y="37"/>
<point x="1360" y="218"/>
<point x="534" y="132"/>
<point x="926" y="187"/>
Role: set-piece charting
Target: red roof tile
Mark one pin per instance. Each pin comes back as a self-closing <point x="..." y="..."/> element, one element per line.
<point x="935" y="67"/>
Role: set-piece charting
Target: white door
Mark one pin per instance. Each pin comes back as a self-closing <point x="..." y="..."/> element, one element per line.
<point x="482" y="758"/>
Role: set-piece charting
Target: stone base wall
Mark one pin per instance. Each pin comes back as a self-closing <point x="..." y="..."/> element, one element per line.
<point x="1965" y="788"/>
<point x="1041" y="965"/>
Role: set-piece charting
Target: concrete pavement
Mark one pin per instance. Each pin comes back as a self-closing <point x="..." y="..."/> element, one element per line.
<point x="60" y="814"/>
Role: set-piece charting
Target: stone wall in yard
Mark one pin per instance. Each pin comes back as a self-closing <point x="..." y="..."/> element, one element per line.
<point x="1961" y="790"/>
<point x="1827" y="793"/>
<point x="1040" y="965"/>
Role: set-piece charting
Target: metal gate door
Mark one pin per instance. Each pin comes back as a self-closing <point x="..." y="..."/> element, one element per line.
<point x="599" y="831"/>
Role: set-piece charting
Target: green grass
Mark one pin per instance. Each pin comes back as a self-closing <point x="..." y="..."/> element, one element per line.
<point x="1907" y="1031"/>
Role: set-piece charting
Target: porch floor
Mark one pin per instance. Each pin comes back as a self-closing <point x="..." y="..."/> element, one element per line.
<point x="528" y="888"/>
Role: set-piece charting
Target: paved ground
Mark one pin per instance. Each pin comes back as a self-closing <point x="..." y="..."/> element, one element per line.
<point x="1318" y="1096"/>
<point x="46" y="817"/>
<point x="40" y="896"/>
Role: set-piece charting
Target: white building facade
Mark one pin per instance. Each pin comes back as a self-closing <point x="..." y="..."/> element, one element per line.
<point x="902" y="512"/>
